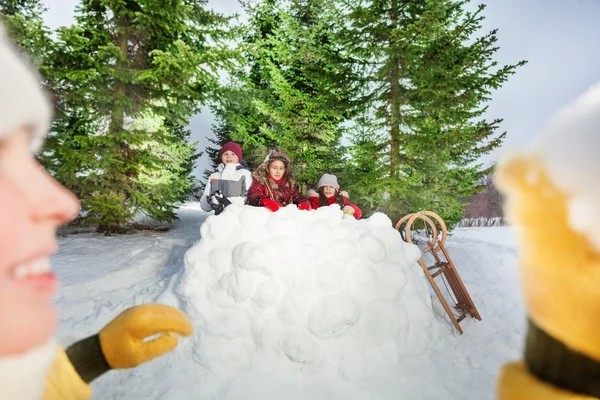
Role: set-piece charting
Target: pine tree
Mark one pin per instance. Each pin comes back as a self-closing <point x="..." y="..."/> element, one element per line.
<point x="251" y="85"/>
<point x="24" y="8"/>
<point x="429" y="76"/>
<point x="236" y="117"/>
<point x="24" y="21"/>
<point x="302" y="84"/>
<point x="129" y="75"/>
<point x="224" y="112"/>
<point x="365" y="167"/>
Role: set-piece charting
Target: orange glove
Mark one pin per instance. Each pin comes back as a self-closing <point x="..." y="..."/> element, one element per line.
<point x="142" y="333"/>
<point x="560" y="272"/>
<point x="559" y="268"/>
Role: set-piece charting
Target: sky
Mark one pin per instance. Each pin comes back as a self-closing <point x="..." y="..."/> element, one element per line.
<point x="560" y="39"/>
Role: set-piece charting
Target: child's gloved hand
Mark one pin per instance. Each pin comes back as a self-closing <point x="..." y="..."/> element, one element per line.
<point x="553" y="258"/>
<point x="304" y="206"/>
<point x="270" y="204"/>
<point x="137" y="335"/>
<point x="218" y="201"/>
<point x="348" y="210"/>
<point x="560" y="271"/>
<point x="142" y="333"/>
<point x="214" y="198"/>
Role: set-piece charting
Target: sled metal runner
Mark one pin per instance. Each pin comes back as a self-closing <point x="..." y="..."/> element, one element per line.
<point x="445" y="267"/>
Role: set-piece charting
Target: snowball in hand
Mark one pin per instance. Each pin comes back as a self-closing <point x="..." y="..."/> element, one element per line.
<point x="569" y="147"/>
<point x="305" y="291"/>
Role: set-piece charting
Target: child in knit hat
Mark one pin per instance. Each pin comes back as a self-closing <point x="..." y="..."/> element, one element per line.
<point x="328" y="193"/>
<point x="229" y="183"/>
<point x="274" y="185"/>
<point x="33" y="205"/>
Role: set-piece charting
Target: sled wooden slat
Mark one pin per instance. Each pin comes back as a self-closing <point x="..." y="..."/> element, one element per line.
<point x="459" y="288"/>
<point x="446" y="268"/>
<point x="439" y="295"/>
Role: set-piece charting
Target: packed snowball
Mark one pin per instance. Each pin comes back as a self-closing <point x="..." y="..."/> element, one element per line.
<point x="305" y="292"/>
<point x="570" y="149"/>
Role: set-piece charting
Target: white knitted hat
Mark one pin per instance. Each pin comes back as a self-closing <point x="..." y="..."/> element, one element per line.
<point x="23" y="103"/>
<point x="329" y="180"/>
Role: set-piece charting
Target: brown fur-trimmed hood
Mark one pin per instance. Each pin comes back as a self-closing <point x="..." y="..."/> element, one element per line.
<point x="261" y="174"/>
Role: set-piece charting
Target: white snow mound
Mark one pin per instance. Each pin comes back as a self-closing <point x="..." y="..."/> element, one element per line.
<point x="305" y="292"/>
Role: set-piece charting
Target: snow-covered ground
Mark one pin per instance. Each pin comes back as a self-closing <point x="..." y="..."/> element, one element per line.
<point x="101" y="276"/>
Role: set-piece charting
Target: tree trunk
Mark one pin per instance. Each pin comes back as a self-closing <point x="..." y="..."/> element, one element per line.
<point x="110" y="230"/>
<point x="117" y="116"/>
<point x="394" y="101"/>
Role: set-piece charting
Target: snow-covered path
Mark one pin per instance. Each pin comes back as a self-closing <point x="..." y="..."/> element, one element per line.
<point x="102" y="276"/>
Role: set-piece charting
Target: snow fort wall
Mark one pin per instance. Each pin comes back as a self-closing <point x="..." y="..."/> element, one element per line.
<point x="308" y="292"/>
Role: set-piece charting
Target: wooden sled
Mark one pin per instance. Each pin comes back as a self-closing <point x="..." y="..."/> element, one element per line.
<point x="462" y="301"/>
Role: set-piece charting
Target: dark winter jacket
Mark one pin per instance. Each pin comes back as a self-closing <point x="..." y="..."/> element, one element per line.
<point x="314" y="202"/>
<point x="279" y="191"/>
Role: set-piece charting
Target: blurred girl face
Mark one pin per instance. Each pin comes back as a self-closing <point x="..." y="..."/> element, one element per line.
<point x="276" y="169"/>
<point x="329" y="191"/>
<point x="32" y="206"/>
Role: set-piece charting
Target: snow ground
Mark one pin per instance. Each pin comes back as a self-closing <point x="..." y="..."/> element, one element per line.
<point x="101" y="276"/>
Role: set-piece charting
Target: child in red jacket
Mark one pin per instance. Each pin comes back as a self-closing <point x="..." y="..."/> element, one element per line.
<point x="328" y="193"/>
<point x="273" y="185"/>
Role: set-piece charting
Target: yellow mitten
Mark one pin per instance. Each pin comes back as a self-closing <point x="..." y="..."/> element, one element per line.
<point x="559" y="268"/>
<point x="137" y="335"/>
<point x="517" y="384"/>
<point x="142" y="333"/>
<point x="560" y="274"/>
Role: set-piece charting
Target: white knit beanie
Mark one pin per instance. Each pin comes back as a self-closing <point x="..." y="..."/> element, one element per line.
<point x="23" y="103"/>
<point x="328" y="180"/>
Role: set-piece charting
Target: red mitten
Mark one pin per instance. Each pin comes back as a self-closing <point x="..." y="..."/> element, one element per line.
<point x="270" y="204"/>
<point x="305" y="205"/>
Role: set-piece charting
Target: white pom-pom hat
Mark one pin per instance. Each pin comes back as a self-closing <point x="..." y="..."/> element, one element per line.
<point x="23" y="103"/>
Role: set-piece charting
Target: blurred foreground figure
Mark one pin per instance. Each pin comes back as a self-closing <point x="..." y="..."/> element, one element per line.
<point x="32" y="206"/>
<point x="553" y="200"/>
